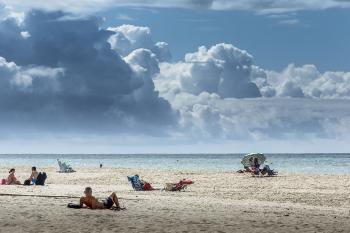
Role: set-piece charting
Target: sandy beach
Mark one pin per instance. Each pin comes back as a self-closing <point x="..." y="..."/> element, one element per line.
<point x="217" y="202"/>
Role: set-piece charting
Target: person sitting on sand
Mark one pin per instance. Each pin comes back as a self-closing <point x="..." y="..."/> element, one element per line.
<point x="91" y="202"/>
<point x="11" y="179"/>
<point x="256" y="166"/>
<point x="34" y="175"/>
<point x="245" y="169"/>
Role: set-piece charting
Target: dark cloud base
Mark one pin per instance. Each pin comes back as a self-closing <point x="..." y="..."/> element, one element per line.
<point x="96" y="88"/>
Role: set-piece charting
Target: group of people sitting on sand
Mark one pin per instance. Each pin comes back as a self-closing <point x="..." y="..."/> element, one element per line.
<point x="35" y="178"/>
<point x="254" y="169"/>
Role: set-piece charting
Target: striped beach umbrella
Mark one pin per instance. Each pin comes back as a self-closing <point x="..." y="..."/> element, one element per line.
<point x="248" y="159"/>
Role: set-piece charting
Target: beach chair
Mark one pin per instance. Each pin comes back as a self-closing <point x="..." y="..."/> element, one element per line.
<point x="179" y="186"/>
<point x="64" y="168"/>
<point x="139" y="185"/>
<point x="135" y="183"/>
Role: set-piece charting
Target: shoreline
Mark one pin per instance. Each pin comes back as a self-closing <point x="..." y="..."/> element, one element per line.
<point x="181" y="170"/>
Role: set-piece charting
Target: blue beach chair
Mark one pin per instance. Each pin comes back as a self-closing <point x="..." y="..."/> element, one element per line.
<point x="135" y="182"/>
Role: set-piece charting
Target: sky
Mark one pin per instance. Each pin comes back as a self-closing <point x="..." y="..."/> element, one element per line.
<point x="187" y="76"/>
<point x="305" y="37"/>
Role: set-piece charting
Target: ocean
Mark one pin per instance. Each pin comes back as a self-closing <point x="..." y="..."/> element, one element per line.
<point x="299" y="163"/>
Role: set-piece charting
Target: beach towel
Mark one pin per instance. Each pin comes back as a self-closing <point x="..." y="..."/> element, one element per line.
<point x="77" y="206"/>
<point x="135" y="183"/>
<point x="73" y="206"/>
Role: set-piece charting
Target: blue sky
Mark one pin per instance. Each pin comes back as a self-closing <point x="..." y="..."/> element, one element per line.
<point x="276" y="40"/>
<point x="96" y="76"/>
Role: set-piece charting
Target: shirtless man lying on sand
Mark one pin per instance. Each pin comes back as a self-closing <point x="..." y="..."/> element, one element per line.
<point x="91" y="202"/>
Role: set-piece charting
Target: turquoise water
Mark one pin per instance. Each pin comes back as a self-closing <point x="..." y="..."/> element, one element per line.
<point x="306" y="163"/>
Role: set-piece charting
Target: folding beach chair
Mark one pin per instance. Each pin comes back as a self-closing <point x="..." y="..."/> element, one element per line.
<point x="64" y="168"/>
<point x="135" y="183"/>
<point x="179" y="186"/>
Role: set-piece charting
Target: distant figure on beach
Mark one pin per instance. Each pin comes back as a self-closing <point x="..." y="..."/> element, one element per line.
<point x="91" y="202"/>
<point x="11" y="179"/>
<point x="34" y="175"/>
<point x="256" y="166"/>
<point x="100" y="165"/>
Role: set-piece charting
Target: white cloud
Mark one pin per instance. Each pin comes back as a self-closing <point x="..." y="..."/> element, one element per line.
<point x="209" y="117"/>
<point x="14" y="76"/>
<point x="192" y="88"/>
<point x="222" y="69"/>
<point x="124" y="17"/>
<point x="307" y="81"/>
<point x="127" y="38"/>
<point x="215" y="91"/>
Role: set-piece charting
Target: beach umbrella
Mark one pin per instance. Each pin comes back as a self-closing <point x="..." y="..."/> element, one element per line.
<point x="247" y="159"/>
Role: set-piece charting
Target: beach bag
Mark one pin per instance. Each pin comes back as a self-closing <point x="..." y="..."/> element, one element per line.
<point x="26" y="183"/>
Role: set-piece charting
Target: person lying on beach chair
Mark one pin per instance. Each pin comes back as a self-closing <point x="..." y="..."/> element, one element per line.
<point x="11" y="179"/>
<point x="138" y="184"/>
<point x="179" y="186"/>
<point x="89" y="201"/>
<point x="64" y="168"/>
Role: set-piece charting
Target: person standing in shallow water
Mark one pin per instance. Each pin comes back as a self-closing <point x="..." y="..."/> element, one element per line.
<point x="100" y="165"/>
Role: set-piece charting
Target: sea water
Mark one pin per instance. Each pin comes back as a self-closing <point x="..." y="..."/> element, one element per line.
<point x="304" y="163"/>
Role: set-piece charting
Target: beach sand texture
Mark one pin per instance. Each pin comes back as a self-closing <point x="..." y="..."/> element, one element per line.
<point x="217" y="202"/>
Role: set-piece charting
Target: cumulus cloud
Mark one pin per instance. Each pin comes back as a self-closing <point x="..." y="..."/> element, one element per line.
<point x="127" y="38"/>
<point x="62" y="72"/>
<point x="294" y="106"/>
<point x="222" y="69"/>
<point x="209" y="117"/>
<point x="65" y="71"/>
<point x="307" y="81"/>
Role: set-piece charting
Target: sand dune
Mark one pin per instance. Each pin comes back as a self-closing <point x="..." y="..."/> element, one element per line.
<point x="217" y="202"/>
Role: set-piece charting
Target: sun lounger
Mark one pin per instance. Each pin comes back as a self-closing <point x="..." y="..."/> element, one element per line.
<point x="64" y="168"/>
<point x="135" y="183"/>
<point x="139" y="185"/>
<point x="179" y="186"/>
